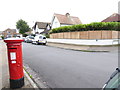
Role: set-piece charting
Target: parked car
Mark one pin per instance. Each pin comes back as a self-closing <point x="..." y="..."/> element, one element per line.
<point x="29" y="39"/>
<point x="39" y="39"/>
<point x="0" y="38"/>
<point x="23" y="38"/>
<point x="114" y="81"/>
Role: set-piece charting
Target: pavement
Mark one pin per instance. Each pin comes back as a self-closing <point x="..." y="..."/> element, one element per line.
<point x="4" y="71"/>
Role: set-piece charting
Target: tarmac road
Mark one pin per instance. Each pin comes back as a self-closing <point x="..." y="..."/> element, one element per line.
<point x="61" y="68"/>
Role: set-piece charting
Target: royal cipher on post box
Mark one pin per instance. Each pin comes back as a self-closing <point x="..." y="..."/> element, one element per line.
<point x="14" y="48"/>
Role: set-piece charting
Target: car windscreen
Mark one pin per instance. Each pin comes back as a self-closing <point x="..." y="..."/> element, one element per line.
<point x="114" y="82"/>
<point x="40" y="37"/>
<point x="31" y="37"/>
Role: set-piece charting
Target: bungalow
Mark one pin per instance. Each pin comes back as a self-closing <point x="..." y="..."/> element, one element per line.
<point x="59" y="20"/>
<point x="40" y="27"/>
<point x="113" y="18"/>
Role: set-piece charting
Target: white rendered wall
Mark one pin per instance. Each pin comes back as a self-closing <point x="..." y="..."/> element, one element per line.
<point x="65" y="25"/>
<point x="55" y="23"/>
<point x="39" y="30"/>
<point x="85" y="42"/>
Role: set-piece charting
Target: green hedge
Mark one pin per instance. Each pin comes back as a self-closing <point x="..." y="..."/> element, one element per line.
<point x="89" y="27"/>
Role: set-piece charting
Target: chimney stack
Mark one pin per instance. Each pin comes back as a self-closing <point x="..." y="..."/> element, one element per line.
<point x="67" y="15"/>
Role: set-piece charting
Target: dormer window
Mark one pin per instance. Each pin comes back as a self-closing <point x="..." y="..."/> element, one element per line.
<point x="8" y="32"/>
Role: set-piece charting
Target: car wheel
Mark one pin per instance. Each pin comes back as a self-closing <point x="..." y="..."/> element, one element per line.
<point x="36" y="43"/>
<point x="44" y="43"/>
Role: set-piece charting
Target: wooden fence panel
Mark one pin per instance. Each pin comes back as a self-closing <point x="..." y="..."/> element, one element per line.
<point x="94" y="34"/>
<point x="60" y="35"/>
<point x="114" y="34"/>
<point x="77" y="35"/>
<point x="106" y="34"/>
<point x="83" y="35"/>
<point x="67" y="35"/>
<point x="51" y="36"/>
<point x="119" y="35"/>
<point x="55" y="35"/>
<point x="87" y="35"/>
<point x="74" y="35"/>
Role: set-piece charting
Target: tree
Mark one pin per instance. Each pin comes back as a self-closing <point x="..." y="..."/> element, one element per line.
<point x="22" y="26"/>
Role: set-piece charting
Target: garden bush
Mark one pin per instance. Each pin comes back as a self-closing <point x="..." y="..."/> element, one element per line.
<point x="89" y="27"/>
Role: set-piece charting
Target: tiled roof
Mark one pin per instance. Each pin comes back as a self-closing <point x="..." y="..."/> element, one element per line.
<point x="67" y="19"/>
<point x="113" y="18"/>
<point x="13" y="30"/>
<point x="41" y="25"/>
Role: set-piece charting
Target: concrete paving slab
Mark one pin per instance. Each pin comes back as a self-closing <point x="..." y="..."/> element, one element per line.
<point x="4" y="72"/>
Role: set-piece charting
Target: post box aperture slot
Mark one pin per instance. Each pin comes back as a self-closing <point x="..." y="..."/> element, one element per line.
<point x="12" y="48"/>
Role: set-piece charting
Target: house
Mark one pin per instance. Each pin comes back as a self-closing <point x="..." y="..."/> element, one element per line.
<point x="59" y="20"/>
<point x="113" y="18"/>
<point x="39" y="27"/>
<point x="8" y="33"/>
<point x="0" y="33"/>
<point x="48" y="28"/>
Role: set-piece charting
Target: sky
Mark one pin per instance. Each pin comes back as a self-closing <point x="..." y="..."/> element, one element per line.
<point x="42" y="10"/>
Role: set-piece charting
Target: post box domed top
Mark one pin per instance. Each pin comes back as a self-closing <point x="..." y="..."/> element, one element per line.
<point x="13" y="40"/>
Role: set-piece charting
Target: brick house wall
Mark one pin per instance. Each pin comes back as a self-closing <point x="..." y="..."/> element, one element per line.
<point x="9" y="33"/>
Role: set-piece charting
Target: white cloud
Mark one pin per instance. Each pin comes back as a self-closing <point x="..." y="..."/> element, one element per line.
<point x="42" y="10"/>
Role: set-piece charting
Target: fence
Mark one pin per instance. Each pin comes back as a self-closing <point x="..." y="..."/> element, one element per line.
<point x="87" y="35"/>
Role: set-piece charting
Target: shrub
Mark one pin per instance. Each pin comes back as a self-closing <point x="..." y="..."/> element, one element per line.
<point x="47" y="35"/>
<point x="33" y="35"/>
<point x="24" y="35"/>
<point x="2" y="37"/>
<point x="89" y="27"/>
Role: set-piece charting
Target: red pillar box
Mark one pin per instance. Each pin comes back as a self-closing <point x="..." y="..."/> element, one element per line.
<point x="14" y="48"/>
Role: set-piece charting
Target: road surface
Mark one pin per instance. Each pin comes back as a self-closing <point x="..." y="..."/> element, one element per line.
<point x="61" y="68"/>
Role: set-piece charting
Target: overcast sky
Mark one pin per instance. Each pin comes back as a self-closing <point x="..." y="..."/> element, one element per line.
<point x="42" y="10"/>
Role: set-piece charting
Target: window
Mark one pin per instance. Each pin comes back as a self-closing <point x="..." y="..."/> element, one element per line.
<point x="8" y="32"/>
<point x="114" y="82"/>
<point x="31" y="37"/>
<point x="40" y="37"/>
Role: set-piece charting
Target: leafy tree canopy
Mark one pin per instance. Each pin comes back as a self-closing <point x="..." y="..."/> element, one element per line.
<point x="22" y="26"/>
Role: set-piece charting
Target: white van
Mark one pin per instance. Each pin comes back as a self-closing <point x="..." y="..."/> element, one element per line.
<point x="39" y="39"/>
